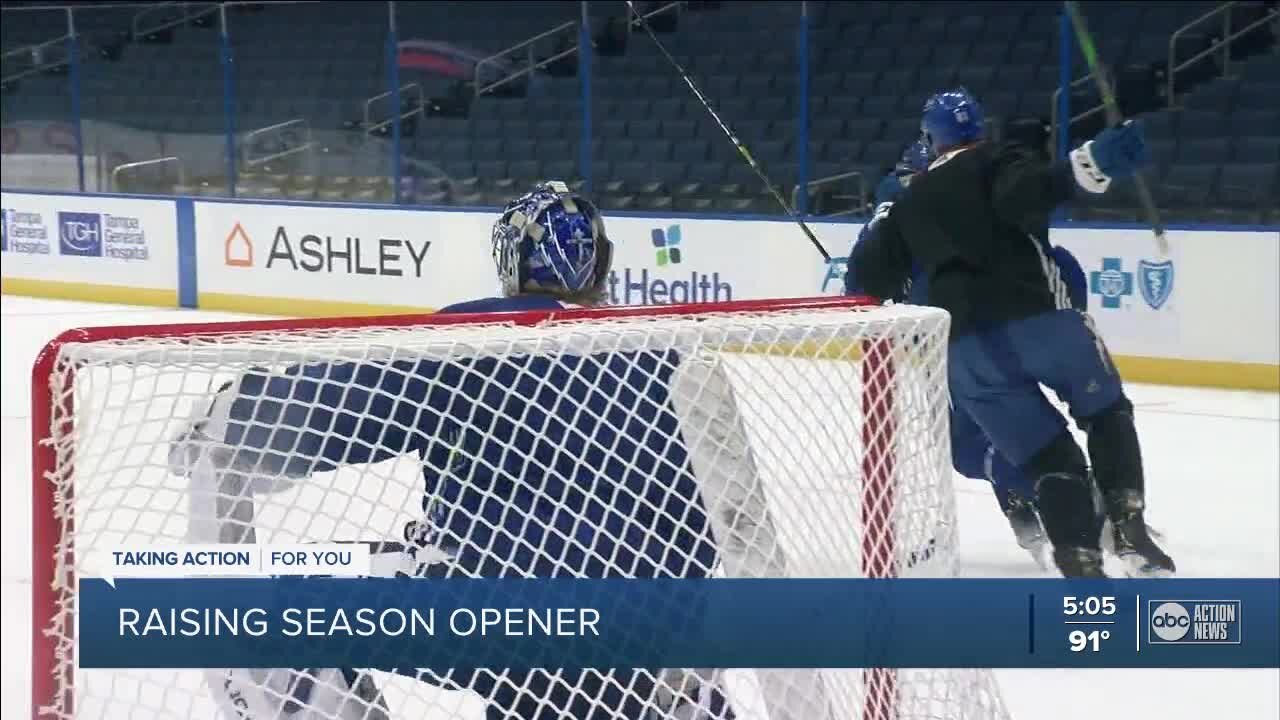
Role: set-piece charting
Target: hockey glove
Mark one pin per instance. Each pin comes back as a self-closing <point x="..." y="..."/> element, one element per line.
<point x="1116" y="152"/>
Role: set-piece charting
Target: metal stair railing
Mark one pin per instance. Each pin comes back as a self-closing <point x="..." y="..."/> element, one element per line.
<point x="307" y="144"/>
<point x="1223" y="45"/>
<point x="861" y="198"/>
<point x="36" y="58"/>
<point x="188" y="11"/>
<point x="115" y="173"/>
<point x="531" y="65"/>
<point x="1055" y="125"/>
<point x="419" y="108"/>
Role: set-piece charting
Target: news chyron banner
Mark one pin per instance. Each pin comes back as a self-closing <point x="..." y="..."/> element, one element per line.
<point x="260" y="606"/>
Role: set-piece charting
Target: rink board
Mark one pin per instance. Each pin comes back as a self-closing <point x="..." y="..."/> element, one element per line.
<point x="1208" y="314"/>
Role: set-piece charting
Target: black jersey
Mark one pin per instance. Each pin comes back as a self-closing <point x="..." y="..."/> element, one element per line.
<point x="976" y="225"/>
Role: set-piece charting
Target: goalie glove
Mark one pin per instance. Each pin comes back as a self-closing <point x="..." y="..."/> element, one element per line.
<point x="1116" y="152"/>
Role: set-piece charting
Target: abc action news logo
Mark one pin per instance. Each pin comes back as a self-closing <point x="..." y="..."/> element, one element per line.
<point x="1194" y="622"/>
<point x="311" y="252"/>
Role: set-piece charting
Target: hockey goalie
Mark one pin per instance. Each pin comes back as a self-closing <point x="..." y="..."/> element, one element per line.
<point x="631" y="464"/>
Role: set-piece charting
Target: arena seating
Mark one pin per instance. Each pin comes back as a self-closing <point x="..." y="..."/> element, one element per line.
<point x="652" y="146"/>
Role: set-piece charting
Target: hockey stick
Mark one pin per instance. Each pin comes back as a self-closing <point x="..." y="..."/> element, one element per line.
<point x="742" y="149"/>
<point x="1114" y="117"/>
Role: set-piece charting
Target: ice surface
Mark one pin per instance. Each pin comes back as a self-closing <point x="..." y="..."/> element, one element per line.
<point x="1213" y="468"/>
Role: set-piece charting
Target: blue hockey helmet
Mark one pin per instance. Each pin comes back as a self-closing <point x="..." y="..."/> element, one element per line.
<point x="951" y="118"/>
<point x="551" y="240"/>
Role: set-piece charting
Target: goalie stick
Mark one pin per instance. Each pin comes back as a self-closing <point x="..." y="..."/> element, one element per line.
<point x="742" y="149"/>
<point x="1114" y="117"/>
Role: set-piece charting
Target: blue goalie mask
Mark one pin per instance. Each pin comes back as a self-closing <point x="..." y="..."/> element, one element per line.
<point x="915" y="160"/>
<point x="551" y="240"/>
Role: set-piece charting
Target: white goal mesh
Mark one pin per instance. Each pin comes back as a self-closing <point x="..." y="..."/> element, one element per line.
<point x="750" y="439"/>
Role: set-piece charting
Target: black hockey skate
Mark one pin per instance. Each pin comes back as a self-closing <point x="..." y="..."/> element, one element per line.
<point x="1027" y="529"/>
<point x="1130" y="538"/>
<point x="1078" y="562"/>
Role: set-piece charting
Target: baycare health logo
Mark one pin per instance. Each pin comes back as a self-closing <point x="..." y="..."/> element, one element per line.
<point x="294" y="251"/>
<point x="668" y="282"/>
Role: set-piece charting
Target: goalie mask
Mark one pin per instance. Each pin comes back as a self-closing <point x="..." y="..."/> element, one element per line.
<point x="552" y="240"/>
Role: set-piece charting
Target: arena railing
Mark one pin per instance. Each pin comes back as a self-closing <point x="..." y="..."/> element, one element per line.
<point x="390" y="129"/>
<point x="1222" y="46"/>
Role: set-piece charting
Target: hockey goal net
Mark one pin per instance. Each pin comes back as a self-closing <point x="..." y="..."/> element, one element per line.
<point x="814" y="431"/>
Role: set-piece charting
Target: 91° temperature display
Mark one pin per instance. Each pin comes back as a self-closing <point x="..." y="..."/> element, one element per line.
<point x="1089" y="620"/>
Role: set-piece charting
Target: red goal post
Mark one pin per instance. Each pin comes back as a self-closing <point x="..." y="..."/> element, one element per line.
<point x="898" y="355"/>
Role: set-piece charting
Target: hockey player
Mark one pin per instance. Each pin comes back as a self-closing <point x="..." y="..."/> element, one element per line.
<point x="972" y="453"/>
<point x="975" y="225"/>
<point x="580" y="465"/>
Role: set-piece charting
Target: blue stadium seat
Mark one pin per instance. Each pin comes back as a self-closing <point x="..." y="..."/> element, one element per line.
<point x="618" y="149"/>
<point x="1218" y="96"/>
<point x="668" y="108"/>
<point x="1254" y="122"/>
<point x="633" y="171"/>
<point x="1204" y="151"/>
<point x="1187" y="186"/>
<point x="977" y="78"/>
<point x="875" y="58"/>
<point x="658" y="149"/>
<point x="755" y="86"/>
<point x="884" y="152"/>
<point x="690" y="150"/>
<point x="706" y="173"/>
<point x="864" y="128"/>
<point x="880" y="106"/>
<point x="827" y="83"/>
<point x="1199" y="123"/>
<point x="1027" y="53"/>
<point x="913" y="55"/>
<point x="896" y="81"/>
<point x="1257" y="149"/>
<point x="770" y="150"/>
<point x="1159" y="125"/>
<point x="950" y="55"/>
<point x="991" y="53"/>
<point x="1259" y="94"/>
<point x="860" y="82"/>
<point x="558" y="169"/>
<point x="632" y="108"/>
<point x="679" y="129"/>
<point x="525" y="171"/>
<point x="491" y="169"/>
<point x="1247" y="185"/>
<point x="774" y="107"/>
<point x="844" y="150"/>
<point x="643" y="128"/>
<point x="669" y="171"/>
<point x="1162" y="151"/>
<point x="935" y="78"/>
<point x="830" y="126"/>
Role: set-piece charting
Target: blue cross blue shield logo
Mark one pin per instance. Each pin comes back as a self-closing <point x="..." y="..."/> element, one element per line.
<point x="1112" y="282"/>
<point x="1155" y="280"/>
